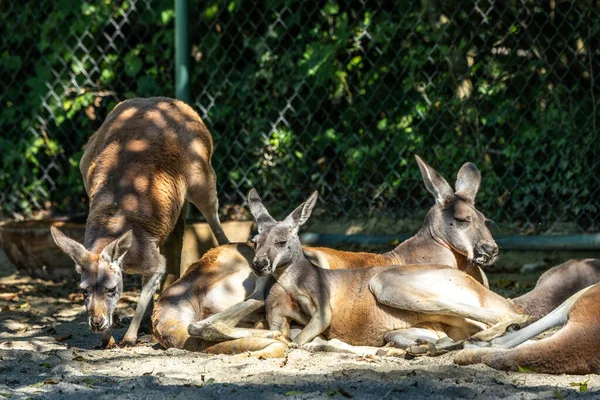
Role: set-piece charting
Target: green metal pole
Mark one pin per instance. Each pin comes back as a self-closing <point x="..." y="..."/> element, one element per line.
<point x="182" y="60"/>
<point x="182" y="51"/>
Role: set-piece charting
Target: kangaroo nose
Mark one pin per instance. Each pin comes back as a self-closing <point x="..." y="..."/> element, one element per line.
<point x="490" y="249"/>
<point x="96" y="324"/>
<point x="260" y="266"/>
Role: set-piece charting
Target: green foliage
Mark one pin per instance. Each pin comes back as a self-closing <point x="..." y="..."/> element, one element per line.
<point x="338" y="97"/>
<point x="64" y="66"/>
<point x="524" y="370"/>
<point x="583" y="386"/>
<point x="327" y="95"/>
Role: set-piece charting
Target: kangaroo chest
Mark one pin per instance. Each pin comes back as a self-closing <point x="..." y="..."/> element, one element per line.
<point x="287" y="301"/>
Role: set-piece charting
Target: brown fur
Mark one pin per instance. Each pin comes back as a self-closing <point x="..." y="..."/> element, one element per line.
<point x="184" y="302"/>
<point x="428" y="246"/>
<point x="359" y="318"/>
<point x="572" y="350"/>
<point x="557" y="284"/>
<point x="138" y="167"/>
<point x="146" y="159"/>
<point x="338" y="259"/>
<point x="172" y="315"/>
<point x="419" y="249"/>
<point x="180" y="304"/>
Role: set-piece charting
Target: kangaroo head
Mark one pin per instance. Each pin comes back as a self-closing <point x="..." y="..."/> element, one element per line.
<point x="453" y="220"/>
<point x="101" y="276"/>
<point x="277" y="243"/>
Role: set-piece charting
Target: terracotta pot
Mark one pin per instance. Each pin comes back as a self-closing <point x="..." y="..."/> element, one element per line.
<point x="30" y="247"/>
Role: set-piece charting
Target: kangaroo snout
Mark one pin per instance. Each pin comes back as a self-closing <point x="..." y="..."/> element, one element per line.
<point x="486" y="252"/>
<point x="261" y="266"/>
<point x="98" y="324"/>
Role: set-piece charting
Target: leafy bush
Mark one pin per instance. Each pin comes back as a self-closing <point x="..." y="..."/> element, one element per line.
<point x="334" y="96"/>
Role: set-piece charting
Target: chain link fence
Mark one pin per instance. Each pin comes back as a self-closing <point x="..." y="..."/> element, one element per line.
<point x="322" y="95"/>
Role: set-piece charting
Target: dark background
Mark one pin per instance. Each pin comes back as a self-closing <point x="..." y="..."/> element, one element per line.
<point x="321" y="95"/>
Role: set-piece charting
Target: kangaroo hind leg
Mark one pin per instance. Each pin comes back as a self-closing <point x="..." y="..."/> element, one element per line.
<point x="202" y="192"/>
<point x="445" y="291"/>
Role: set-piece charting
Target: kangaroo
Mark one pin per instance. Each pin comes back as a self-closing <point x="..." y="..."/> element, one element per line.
<point x="210" y="295"/>
<point x="557" y="284"/>
<point x="365" y="306"/>
<point x="138" y="169"/>
<point x="453" y="233"/>
<point x="573" y="349"/>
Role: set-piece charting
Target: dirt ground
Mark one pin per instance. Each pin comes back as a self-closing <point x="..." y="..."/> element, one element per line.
<point x="47" y="351"/>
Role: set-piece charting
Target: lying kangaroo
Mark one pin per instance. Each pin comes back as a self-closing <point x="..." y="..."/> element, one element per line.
<point x="574" y="349"/>
<point x="453" y="234"/>
<point x="365" y="306"/>
<point x="557" y="284"/>
<point x="147" y="158"/>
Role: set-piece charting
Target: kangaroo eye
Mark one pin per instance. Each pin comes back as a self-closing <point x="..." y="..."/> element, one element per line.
<point x="281" y="243"/>
<point x="462" y="220"/>
<point x="111" y="290"/>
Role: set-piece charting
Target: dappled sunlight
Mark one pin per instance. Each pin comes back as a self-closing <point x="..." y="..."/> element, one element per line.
<point x="136" y="145"/>
<point x="130" y="203"/>
<point x="141" y="183"/>
<point x="117" y="223"/>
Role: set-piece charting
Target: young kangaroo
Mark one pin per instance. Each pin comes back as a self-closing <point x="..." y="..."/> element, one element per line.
<point x="365" y="306"/>
<point x="147" y="158"/>
<point x="574" y="349"/>
<point x="211" y="294"/>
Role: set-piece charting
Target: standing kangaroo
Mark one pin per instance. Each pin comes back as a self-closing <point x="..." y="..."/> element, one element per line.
<point x="147" y="158"/>
<point x="574" y="349"/>
<point x="453" y="234"/>
<point x="365" y="306"/>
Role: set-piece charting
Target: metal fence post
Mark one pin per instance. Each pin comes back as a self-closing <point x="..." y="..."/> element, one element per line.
<point x="182" y="59"/>
<point x="182" y="51"/>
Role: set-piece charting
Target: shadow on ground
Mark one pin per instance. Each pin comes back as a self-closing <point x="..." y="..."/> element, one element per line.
<point x="47" y="351"/>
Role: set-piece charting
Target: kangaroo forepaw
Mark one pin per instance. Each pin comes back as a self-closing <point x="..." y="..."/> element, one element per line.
<point x="108" y="342"/>
<point x="446" y="344"/>
<point x="277" y="335"/>
<point x="421" y="349"/>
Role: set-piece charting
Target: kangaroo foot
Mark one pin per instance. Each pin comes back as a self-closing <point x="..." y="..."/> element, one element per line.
<point x="128" y="341"/>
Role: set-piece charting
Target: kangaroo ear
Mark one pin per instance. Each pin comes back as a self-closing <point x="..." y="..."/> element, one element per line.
<point x="117" y="249"/>
<point x="467" y="181"/>
<point x="301" y="214"/>
<point x="435" y="183"/>
<point x="82" y="257"/>
<point x="258" y="210"/>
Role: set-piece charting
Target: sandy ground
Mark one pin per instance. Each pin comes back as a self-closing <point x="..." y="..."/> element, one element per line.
<point x="47" y="351"/>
